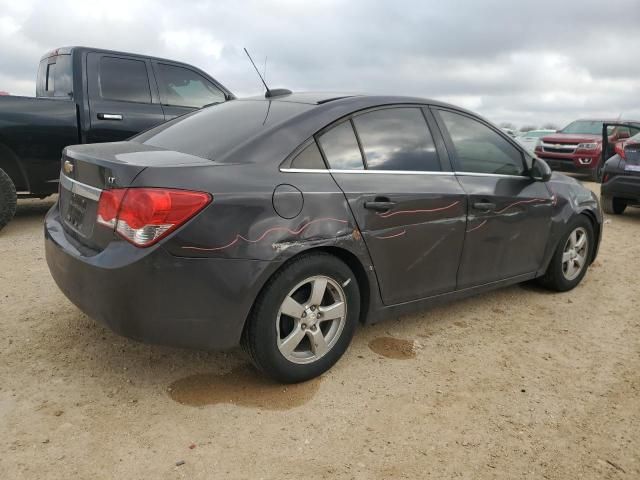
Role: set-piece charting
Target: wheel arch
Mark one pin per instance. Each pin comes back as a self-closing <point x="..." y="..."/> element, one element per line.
<point x="343" y="254"/>
<point x="10" y="163"/>
<point x="596" y="230"/>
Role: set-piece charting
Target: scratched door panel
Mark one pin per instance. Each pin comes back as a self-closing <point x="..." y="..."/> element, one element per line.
<point x="509" y="239"/>
<point x="415" y="246"/>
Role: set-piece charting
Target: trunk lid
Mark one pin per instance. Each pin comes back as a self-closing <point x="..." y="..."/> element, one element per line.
<point x="87" y="170"/>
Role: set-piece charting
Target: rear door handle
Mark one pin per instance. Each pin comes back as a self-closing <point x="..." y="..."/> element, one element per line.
<point x="484" y="206"/>
<point x="110" y="116"/>
<point x="379" y="206"/>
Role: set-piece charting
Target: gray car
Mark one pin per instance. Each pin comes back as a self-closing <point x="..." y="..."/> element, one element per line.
<point x="281" y="223"/>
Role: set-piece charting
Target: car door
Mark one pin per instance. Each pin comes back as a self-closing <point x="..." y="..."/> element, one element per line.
<point x="509" y="213"/>
<point x="408" y="205"/>
<point x="122" y="99"/>
<point x="183" y="90"/>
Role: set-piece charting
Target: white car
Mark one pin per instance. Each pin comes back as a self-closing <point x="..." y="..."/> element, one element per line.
<point x="530" y="139"/>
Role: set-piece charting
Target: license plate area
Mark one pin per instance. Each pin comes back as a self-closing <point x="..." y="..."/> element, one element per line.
<point x="78" y="212"/>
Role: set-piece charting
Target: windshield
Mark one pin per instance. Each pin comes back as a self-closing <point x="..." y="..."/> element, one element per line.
<point x="586" y="127"/>
<point x="213" y="131"/>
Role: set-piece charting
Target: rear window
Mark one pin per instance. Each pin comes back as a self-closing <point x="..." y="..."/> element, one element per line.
<point x="213" y="131"/>
<point x="55" y="77"/>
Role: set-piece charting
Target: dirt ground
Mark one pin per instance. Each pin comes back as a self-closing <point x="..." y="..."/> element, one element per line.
<point x="518" y="383"/>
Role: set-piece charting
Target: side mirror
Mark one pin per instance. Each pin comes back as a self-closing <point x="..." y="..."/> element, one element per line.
<point x="539" y="170"/>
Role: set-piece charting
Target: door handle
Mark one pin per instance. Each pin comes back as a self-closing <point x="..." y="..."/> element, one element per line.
<point x="484" y="206"/>
<point x="380" y="205"/>
<point x="110" y="116"/>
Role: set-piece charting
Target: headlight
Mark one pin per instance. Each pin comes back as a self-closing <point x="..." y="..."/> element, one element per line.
<point x="587" y="146"/>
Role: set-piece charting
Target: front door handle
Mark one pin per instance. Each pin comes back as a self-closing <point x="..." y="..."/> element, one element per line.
<point x="110" y="116"/>
<point x="484" y="206"/>
<point x="380" y="205"/>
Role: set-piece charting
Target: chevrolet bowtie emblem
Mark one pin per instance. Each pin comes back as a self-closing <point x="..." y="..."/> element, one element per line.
<point x="67" y="167"/>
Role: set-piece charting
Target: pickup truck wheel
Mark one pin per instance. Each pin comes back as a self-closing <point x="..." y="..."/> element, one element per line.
<point x="612" y="205"/>
<point x="304" y="319"/>
<point x="572" y="256"/>
<point x="8" y="199"/>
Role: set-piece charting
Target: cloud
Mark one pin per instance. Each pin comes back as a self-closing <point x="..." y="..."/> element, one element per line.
<point x="523" y="62"/>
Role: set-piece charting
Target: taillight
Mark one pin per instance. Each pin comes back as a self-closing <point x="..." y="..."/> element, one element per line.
<point x="619" y="148"/>
<point x="145" y="215"/>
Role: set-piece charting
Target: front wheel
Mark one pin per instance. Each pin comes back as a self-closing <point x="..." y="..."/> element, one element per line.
<point x="304" y="319"/>
<point x="572" y="256"/>
<point x="612" y="205"/>
<point x="8" y="199"/>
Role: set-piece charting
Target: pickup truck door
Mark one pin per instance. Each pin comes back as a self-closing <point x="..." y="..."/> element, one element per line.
<point x="183" y="89"/>
<point x="123" y="99"/>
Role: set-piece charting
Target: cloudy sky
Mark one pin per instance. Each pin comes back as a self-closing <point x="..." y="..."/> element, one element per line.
<point x="526" y="62"/>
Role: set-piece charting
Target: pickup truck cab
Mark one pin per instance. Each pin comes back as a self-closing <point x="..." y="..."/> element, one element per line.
<point x="86" y="95"/>
<point x="578" y="146"/>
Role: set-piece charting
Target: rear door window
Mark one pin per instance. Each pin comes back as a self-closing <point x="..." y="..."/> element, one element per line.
<point x="124" y="79"/>
<point x="480" y="149"/>
<point x="397" y="139"/>
<point x="341" y="149"/>
<point x="185" y="88"/>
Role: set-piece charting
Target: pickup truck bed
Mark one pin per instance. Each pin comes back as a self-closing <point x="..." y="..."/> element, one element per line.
<point x="86" y="95"/>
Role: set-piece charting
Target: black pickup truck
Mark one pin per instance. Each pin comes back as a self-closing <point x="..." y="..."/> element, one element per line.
<point x="86" y="95"/>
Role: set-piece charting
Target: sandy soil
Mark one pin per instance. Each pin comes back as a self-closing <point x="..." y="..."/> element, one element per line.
<point x="518" y="383"/>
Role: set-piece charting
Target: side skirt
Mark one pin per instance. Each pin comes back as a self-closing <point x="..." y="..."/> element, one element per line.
<point x="381" y="312"/>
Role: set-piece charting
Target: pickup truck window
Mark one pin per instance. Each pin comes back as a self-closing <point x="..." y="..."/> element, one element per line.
<point x="55" y="77"/>
<point x="124" y="80"/>
<point x="185" y="88"/>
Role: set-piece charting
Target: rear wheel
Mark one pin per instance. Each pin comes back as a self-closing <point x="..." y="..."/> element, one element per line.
<point x="572" y="256"/>
<point x="612" y="205"/>
<point x="303" y="321"/>
<point x="8" y="199"/>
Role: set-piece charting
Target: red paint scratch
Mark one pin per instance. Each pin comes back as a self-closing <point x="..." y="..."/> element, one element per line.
<point x="267" y="232"/>
<point x="395" y="235"/>
<point x="532" y="200"/>
<point x="477" y="227"/>
<point x="430" y="210"/>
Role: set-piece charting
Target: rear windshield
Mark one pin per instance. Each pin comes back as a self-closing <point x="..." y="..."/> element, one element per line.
<point x="55" y="77"/>
<point x="586" y="127"/>
<point x="213" y="131"/>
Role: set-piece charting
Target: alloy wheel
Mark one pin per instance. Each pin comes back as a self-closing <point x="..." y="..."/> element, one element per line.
<point x="574" y="256"/>
<point x="311" y="319"/>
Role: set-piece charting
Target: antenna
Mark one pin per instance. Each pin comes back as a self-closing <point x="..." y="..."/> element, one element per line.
<point x="268" y="94"/>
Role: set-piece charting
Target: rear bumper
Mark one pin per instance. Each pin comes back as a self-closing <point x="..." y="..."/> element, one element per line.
<point x="152" y="296"/>
<point x="622" y="186"/>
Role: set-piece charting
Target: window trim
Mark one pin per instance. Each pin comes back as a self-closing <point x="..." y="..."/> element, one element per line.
<point x="455" y="163"/>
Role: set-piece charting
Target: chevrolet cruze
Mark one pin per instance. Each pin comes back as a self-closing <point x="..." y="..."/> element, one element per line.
<point x="281" y="223"/>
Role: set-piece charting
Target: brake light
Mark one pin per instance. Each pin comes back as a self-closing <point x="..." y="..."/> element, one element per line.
<point x="145" y="215"/>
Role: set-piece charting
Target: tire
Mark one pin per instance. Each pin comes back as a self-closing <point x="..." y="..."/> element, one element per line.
<point x="281" y="345"/>
<point x="612" y="205"/>
<point x="596" y="173"/>
<point x="8" y="199"/>
<point x="561" y="275"/>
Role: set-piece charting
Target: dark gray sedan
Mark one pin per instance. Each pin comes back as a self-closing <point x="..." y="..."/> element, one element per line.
<point x="281" y="223"/>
